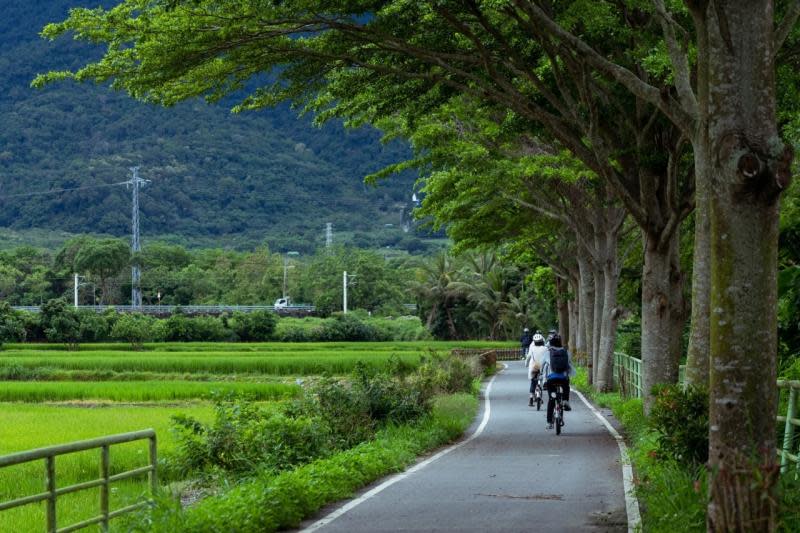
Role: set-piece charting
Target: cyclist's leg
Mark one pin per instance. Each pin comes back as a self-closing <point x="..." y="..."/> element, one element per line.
<point x="565" y="386"/>
<point x="551" y="402"/>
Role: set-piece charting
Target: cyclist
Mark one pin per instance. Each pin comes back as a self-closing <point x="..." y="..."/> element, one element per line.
<point x="525" y="341"/>
<point x="560" y="370"/>
<point x="550" y="334"/>
<point x="536" y="354"/>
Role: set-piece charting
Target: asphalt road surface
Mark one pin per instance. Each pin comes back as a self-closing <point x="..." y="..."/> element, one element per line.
<point x="513" y="476"/>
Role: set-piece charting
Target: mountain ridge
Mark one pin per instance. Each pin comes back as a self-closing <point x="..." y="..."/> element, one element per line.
<point x="244" y="179"/>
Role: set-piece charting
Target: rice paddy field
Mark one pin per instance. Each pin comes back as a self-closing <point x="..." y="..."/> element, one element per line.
<point x="50" y="396"/>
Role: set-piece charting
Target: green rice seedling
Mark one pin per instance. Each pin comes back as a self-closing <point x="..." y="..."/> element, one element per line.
<point x="391" y="346"/>
<point x="138" y="391"/>
<point x="24" y="427"/>
<point x="271" y="365"/>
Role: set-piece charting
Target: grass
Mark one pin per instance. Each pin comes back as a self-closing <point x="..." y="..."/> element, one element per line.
<point x="671" y="495"/>
<point x="270" y="347"/>
<point x="24" y="427"/>
<point x="110" y="372"/>
<point x="270" y="503"/>
<point x="138" y="391"/>
<point x="291" y="365"/>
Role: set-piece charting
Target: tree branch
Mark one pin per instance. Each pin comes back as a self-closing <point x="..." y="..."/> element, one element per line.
<point x="679" y="59"/>
<point x="622" y="75"/>
<point x="785" y="27"/>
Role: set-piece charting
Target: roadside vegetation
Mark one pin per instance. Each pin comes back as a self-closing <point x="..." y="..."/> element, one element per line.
<point x="669" y="452"/>
<point x="226" y="414"/>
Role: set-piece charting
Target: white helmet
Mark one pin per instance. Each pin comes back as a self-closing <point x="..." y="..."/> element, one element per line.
<point x="538" y="338"/>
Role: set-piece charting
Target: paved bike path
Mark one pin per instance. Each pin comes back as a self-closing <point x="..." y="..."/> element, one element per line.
<point x="514" y="476"/>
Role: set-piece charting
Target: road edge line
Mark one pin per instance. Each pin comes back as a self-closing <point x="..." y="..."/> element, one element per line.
<point x="631" y="502"/>
<point x="487" y="411"/>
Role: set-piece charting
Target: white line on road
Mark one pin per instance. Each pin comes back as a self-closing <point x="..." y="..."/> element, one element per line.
<point x="631" y="503"/>
<point x="487" y="411"/>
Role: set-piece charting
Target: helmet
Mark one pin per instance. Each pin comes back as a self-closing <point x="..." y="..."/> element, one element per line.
<point x="538" y="339"/>
<point x="556" y="341"/>
<point x="526" y="329"/>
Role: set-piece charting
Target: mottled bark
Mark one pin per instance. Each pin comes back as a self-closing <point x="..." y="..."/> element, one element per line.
<point x="698" y="352"/>
<point x="562" y="296"/>
<point x="659" y="328"/>
<point x="608" y="330"/>
<point x="575" y="325"/>
<point x="749" y="167"/>
<point x="598" y="318"/>
<point x="697" y="356"/>
<point x="587" y="307"/>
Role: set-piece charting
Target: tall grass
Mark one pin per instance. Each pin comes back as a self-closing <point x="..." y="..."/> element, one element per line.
<point x="137" y="391"/>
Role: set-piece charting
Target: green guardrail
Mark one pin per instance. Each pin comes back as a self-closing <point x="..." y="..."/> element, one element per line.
<point x="52" y="491"/>
<point x="628" y="380"/>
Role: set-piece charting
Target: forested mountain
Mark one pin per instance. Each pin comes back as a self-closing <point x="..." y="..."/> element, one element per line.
<point x="233" y="179"/>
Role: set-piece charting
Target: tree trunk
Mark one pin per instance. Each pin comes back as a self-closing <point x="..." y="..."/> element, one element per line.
<point x="697" y="356"/>
<point x="749" y="167"/>
<point x="563" y="311"/>
<point x="659" y="360"/>
<point x="698" y="352"/>
<point x="587" y="309"/>
<point x="577" y="328"/>
<point x="608" y="330"/>
<point x="599" y="313"/>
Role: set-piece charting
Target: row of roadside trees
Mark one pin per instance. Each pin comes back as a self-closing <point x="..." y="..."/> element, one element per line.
<point x="579" y="117"/>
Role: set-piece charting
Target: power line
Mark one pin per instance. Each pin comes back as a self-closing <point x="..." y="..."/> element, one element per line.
<point x="59" y="191"/>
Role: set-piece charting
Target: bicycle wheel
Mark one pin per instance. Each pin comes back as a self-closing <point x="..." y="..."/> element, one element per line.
<point x="557" y="416"/>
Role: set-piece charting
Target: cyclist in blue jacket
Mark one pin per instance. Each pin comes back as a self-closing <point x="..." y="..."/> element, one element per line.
<point x="560" y="369"/>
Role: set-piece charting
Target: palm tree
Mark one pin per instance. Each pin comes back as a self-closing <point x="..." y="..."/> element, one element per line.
<point x="438" y="286"/>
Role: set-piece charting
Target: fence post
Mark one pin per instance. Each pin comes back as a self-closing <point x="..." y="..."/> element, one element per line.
<point x="50" y="470"/>
<point x="154" y="463"/>
<point x="104" y="488"/>
<point x="788" y="433"/>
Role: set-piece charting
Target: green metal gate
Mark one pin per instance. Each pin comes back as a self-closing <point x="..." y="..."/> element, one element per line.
<point x="52" y="492"/>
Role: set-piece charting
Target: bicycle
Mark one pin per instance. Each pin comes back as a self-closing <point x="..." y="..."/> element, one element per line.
<point x="538" y="392"/>
<point x="558" y="410"/>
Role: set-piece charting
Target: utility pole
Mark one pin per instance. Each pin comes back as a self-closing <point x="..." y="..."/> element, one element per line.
<point x="286" y="268"/>
<point x="136" y="247"/>
<point x="75" y="291"/>
<point x="345" y="283"/>
<point x="328" y="235"/>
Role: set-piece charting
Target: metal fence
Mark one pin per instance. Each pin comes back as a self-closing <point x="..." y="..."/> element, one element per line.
<point x="788" y="451"/>
<point x="628" y="379"/>
<point x="628" y="375"/>
<point x="52" y="491"/>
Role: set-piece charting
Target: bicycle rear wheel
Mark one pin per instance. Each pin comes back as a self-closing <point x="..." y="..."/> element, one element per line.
<point x="557" y="416"/>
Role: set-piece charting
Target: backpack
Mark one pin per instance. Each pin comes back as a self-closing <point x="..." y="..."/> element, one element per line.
<point x="559" y="361"/>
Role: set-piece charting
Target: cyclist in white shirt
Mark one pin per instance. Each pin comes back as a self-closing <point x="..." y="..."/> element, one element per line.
<point x="534" y="360"/>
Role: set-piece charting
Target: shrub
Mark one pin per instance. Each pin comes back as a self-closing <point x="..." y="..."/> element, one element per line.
<point x="681" y="419"/>
<point x="245" y="436"/>
<point x="257" y="326"/>
<point x="61" y="323"/>
<point x="180" y="328"/>
<point x="93" y="327"/>
<point x="137" y="329"/>
<point x="629" y="337"/>
<point x="404" y="328"/>
<point x="11" y="327"/>
<point x="347" y="328"/>
<point x="445" y="374"/>
<point x="32" y="324"/>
